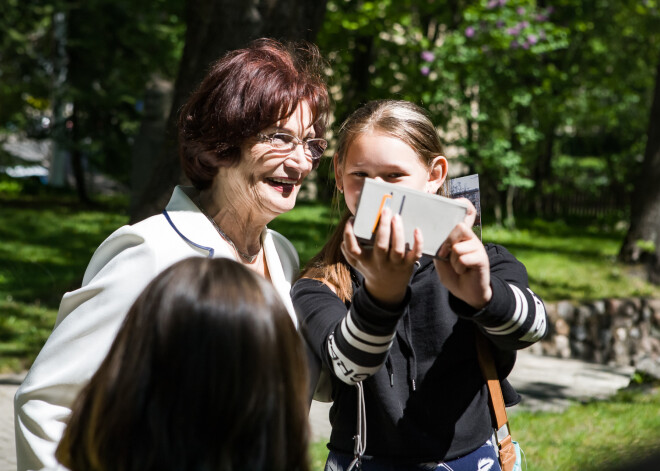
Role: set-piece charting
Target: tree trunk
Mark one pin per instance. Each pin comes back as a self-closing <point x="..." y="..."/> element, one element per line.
<point x="510" y="213"/>
<point x="645" y="203"/>
<point x="215" y="27"/>
<point x="148" y="145"/>
<point x="77" y="159"/>
<point x="543" y="171"/>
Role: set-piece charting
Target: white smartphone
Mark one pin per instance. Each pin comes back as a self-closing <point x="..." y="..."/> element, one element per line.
<point x="434" y="215"/>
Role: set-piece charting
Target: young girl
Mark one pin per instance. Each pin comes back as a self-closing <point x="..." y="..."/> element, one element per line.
<point x="402" y="326"/>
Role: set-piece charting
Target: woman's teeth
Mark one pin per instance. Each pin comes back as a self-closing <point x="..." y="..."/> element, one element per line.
<point x="284" y="181"/>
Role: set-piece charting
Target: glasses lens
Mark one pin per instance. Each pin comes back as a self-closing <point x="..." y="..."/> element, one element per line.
<point x="317" y="147"/>
<point x="283" y="141"/>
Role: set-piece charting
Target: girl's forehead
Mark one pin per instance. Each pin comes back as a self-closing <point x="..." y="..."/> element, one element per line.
<point x="383" y="150"/>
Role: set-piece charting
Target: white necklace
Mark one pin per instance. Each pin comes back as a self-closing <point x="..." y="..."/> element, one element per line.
<point x="247" y="257"/>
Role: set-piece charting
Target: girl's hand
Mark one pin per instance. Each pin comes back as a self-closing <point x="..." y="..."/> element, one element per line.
<point x="387" y="266"/>
<point x="463" y="265"/>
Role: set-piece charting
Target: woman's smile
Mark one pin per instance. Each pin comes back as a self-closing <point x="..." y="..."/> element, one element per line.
<point x="283" y="185"/>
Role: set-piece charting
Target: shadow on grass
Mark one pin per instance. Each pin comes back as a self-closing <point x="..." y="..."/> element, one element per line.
<point x="307" y="227"/>
<point x="45" y="245"/>
<point x="43" y="253"/>
<point x="23" y="331"/>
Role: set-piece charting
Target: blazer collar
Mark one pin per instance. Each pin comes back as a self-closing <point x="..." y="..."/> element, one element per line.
<point x="196" y="228"/>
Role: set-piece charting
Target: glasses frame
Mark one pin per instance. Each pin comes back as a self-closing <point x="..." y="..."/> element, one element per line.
<point x="304" y="142"/>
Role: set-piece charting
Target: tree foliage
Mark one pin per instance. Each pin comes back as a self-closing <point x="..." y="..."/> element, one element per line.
<point x="213" y="28"/>
<point x="523" y="90"/>
<point x="542" y="98"/>
<point x="83" y="66"/>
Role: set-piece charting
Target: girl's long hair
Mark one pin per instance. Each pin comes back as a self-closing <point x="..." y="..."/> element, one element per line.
<point x="206" y="373"/>
<point x="396" y="118"/>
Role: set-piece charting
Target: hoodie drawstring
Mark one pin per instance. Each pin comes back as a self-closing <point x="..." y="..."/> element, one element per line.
<point x="412" y="358"/>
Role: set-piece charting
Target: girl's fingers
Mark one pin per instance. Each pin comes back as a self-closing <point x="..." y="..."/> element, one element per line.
<point x="348" y="256"/>
<point x="382" y="242"/>
<point x="418" y="245"/>
<point x="398" y="241"/>
<point x="470" y="260"/>
<point x="460" y="233"/>
<point x="350" y="243"/>
<point x="466" y="256"/>
<point x="444" y="252"/>
<point x="471" y="213"/>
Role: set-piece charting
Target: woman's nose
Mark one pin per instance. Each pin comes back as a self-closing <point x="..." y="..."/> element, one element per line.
<point x="300" y="159"/>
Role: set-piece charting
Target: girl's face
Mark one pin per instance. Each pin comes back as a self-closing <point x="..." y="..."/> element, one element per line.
<point x="383" y="157"/>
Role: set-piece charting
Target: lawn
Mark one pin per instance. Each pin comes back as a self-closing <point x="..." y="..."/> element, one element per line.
<point x="594" y="436"/>
<point x="46" y="242"/>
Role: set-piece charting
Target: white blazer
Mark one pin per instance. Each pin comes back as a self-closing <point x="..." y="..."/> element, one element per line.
<point x="89" y="318"/>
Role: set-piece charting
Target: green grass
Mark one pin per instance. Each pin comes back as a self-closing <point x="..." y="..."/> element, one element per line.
<point x="45" y="245"/>
<point x="46" y="242"/>
<point x="572" y="262"/>
<point x="595" y="436"/>
<point x="307" y="227"/>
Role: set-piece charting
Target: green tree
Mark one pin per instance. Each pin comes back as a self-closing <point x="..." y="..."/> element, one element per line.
<point x="472" y="64"/>
<point x="215" y="27"/>
<point x="24" y="52"/>
<point x="644" y="231"/>
<point x="87" y="63"/>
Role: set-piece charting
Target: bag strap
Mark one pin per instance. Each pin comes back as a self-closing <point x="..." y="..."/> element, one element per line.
<point x="490" y="375"/>
<point x="496" y="402"/>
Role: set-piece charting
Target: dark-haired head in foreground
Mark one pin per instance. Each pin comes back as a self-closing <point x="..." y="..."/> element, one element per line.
<point x="206" y="373"/>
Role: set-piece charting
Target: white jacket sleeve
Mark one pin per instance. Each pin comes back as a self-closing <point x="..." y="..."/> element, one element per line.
<point x="86" y="325"/>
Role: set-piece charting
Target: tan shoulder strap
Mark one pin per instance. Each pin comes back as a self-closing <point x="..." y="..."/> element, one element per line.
<point x="487" y="365"/>
<point x="497" y="408"/>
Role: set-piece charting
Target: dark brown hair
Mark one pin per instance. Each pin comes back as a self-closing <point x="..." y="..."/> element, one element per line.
<point x="397" y="118"/>
<point x="206" y="373"/>
<point x="244" y="92"/>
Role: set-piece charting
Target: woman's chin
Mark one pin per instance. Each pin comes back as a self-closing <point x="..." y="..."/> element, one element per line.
<point x="282" y="200"/>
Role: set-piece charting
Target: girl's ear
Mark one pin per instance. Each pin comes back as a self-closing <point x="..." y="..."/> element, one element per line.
<point x="339" y="173"/>
<point x="437" y="174"/>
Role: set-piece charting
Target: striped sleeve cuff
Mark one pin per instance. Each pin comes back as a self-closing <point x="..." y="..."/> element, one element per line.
<point x="514" y="313"/>
<point x="528" y="320"/>
<point x="359" y="346"/>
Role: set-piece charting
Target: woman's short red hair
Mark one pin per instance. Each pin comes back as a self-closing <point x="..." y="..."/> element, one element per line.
<point x="244" y="92"/>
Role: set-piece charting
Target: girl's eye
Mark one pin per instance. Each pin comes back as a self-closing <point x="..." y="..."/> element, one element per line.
<point x="359" y="174"/>
<point x="395" y="175"/>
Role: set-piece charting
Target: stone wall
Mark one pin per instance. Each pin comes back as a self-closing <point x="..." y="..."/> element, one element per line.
<point x="623" y="332"/>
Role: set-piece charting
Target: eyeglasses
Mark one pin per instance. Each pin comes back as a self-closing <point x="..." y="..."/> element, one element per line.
<point x="281" y="141"/>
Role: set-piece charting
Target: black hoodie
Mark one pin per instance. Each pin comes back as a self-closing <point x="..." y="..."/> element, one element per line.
<point x="426" y="399"/>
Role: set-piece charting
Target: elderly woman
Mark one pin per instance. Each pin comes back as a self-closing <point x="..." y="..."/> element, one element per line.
<point x="248" y="137"/>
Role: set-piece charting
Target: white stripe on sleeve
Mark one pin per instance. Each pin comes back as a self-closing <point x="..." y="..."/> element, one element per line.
<point x="539" y="327"/>
<point x="363" y="341"/>
<point x="346" y="370"/>
<point x="519" y="315"/>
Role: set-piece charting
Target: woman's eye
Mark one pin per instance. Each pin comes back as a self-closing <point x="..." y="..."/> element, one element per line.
<point x="282" y="139"/>
<point x="359" y="174"/>
<point x="395" y="175"/>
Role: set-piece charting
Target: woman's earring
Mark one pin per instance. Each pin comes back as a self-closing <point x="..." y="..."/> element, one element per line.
<point x="341" y="190"/>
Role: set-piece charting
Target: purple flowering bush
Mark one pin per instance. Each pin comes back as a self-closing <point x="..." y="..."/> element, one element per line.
<point x="510" y="81"/>
<point x="485" y="70"/>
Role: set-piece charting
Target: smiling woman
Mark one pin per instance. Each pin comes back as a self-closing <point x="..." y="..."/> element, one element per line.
<point x="240" y="182"/>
